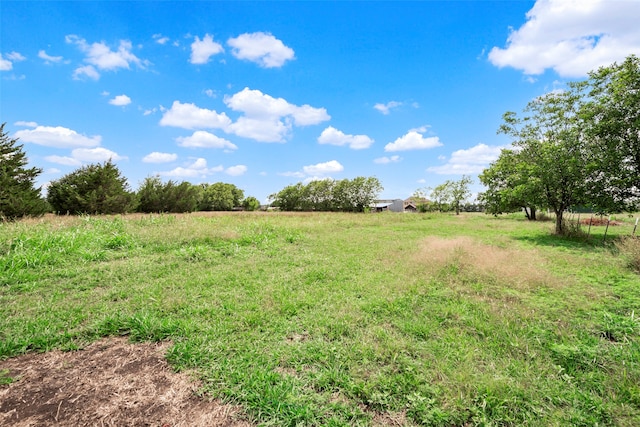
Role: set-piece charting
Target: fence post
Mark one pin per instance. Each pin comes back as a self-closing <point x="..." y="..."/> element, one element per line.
<point x="634" y="227"/>
<point x="606" y="229"/>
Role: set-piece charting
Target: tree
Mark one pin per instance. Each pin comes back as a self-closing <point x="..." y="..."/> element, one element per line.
<point x="220" y="197"/>
<point x="612" y="125"/>
<point x="550" y="142"/>
<point x="251" y="204"/>
<point x="92" y="189"/>
<point x="154" y="196"/>
<point x="509" y="186"/>
<point x="289" y="198"/>
<point x="450" y="194"/>
<point x="18" y="196"/>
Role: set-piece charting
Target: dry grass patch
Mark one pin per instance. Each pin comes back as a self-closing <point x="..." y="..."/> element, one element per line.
<point x="517" y="268"/>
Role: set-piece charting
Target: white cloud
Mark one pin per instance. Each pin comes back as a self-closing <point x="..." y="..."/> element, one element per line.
<point x="93" y="155"/>
<point x="413" y="140"/>
<point x="203" y="139"/>
<point x="120" y="101"/>
<point x="236" y="170"/>
<point x="197" y="169"/>
<point x="386" y="108"/>
<point x="26" y="124"/>
<point x="86" y="70"/>
<point x="572" y="37"/>
<point x="471" y="161"/>
<point x="5" y="64"/>
<point x="157" y="157"/>
<point x="48" y="58"/>
<point x="333" y="136"/>
<point x="269" y="119"/>
<point x="16" y="56"/>
<point x="58" y="137"/>
<point x="385" y="160"/>
<point x="86" y="155"/>
<point x="261" y="48"/>
<point x="326" y="168"/>
<point x="101" y="56"/>
<point x="63" y="160"/>
<point x="189" y="116"/>
<point x="160" y="39"/>
<point x="292" y="174"/>
<point x="202" y="50"/>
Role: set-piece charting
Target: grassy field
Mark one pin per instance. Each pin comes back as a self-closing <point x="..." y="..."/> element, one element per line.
<point x="344" y="319"/>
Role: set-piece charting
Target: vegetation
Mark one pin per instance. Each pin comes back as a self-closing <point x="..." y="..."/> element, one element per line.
<point x="345" y="195"/>
<point x="336" y="319"/>
<point x="577" y="147"/>
<point x="18" y="196"/>
<point x="154" y="196"/>
<point x="92" y="189"/>
<point x="220" y="197"/>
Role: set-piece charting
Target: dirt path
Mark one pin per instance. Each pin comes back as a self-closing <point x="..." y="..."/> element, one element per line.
<point x="109" y="383"/>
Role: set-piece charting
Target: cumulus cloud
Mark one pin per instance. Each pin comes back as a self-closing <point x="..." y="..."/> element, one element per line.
<point x="189" y="116"/>
<point x="236" y="170"/>
<point x="197" y="169"/>
<point x="86" y="71"/>
<point x="333" y="136"/>
<point x="204" y="139"/>
<point x="202" y="50"/>
<point x="471" y="161"/>
<point x="86" y="155"/>
<point x="99" y="56"/>
<point x="58" y="137"/>
<point x="385" y="160"/>
<point x="120" y="100"/>
<point x="160" y="39"/>
<point x="262" y="48"/>
<point x="326" y="168"/>
<point x="571" y="37"/>
<point x="48" y="59"/>
<point x="413" y="140"/>
<point x="269" y="119"/>
<point x="5" y="64"/>
<point x="386" y="108"/>
<point x="16" y="56"/>
<point x="157" y="157"/>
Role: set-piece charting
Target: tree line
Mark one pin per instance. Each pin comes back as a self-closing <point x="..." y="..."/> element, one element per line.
<point x="575" y="148"/>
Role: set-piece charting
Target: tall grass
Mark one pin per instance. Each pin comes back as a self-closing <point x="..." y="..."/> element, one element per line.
<point x="343" y="319"/>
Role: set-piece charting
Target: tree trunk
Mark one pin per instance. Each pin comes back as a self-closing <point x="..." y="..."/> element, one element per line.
<point x="533" y="214"/>
<point x="559" y="228"/>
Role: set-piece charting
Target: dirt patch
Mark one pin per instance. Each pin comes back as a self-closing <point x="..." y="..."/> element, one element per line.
<point x="599" y="222"/>
<point x="109" y="383"/>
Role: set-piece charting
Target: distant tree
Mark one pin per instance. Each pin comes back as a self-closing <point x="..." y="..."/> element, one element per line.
<point x="18" y="196"/>
<point x="510" y="186"/>
<point x="155" y="196"/>
<point x="345" y="195"/>
<point x="220" y="197"/>
<point x="440" y="197"/>
<point x="450" y="194"/>
<point x="251" y="204"/>
<point x="289" y="198"/>
<point x="420" y="200"/>
<point x="93" y="189"/>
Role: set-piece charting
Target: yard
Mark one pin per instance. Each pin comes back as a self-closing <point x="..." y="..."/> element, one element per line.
<point x="325" y="319"/>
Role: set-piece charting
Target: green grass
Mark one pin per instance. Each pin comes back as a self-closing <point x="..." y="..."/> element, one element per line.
<point x="334" y="319"/>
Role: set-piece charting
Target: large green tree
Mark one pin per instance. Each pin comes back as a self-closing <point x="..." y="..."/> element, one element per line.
<point x="93" y="189"/>
<point x="549" y="140"/>
<point x="450" y="194"/>
<point x="611" y="116"/>
<point x="18" y="195"/>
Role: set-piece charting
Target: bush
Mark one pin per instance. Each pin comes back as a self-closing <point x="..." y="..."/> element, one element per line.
<point x="93" y="189"/>
<point x="154" y="196"/>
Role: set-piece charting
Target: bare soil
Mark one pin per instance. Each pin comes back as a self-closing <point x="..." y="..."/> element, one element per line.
<point x="109" y="383"/>
<point x="599" y="222"/>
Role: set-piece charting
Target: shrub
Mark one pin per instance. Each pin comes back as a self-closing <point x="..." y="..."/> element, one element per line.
<point x="629" y="248"/>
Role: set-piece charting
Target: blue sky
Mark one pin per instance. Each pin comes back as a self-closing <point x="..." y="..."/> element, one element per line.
<point x="267" y="94"/>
